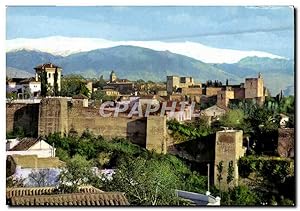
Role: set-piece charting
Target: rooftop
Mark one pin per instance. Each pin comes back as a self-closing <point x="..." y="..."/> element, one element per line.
<point x="25" y="144"/>
<point x="33" y="191"/>
<point x="87" y="196"/>
<point x="77" y="199"/>
<point x="46" y="65"/>
<point x="28" y="80"/>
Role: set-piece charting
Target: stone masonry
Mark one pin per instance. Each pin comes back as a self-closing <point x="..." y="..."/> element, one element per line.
<point x="286" y="142"/>
<point x="22" y="115"/>
<point x="229" y="147"/>
<point x="57" y="115"/>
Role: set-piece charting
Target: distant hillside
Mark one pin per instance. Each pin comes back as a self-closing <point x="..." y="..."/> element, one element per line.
<point x="278" y="74"/>
<point x="128" y="62"/>
<point x="142" y="63"/>
<point x="26" y="60"/>
<point x="16" y="73"/>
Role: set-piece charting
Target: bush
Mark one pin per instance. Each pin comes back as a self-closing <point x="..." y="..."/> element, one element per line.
<point x="62" y="154"/>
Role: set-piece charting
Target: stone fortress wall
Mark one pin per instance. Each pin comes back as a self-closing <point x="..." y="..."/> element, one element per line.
<point x="57" y="115"/>
<point x="21" y="115"/>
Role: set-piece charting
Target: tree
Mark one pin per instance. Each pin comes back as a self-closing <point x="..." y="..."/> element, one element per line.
<point x="39" y="178"/>
<point x="11" y="95"/>
<point x="55" y="87"/>
<point x="242" y="195"/>
<point x="99" y="95"/>
<point x="44" y="83"/>
<point x="104" y="158"/>
<point x="73" y="85"/>
<point x="220" y="171"/>
<point x="76" y="172"/>
<point x="146" y="182"/>
<point x="62" y="154"/>
<point x="230" y="172"/>
<point x="233" y="118"/>
<point x="27" y="92"/>
<point x="230" y="176"/>
<point x="100" y="83"/>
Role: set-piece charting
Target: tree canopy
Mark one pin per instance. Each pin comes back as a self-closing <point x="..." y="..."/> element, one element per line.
<point x="73" y="85"/>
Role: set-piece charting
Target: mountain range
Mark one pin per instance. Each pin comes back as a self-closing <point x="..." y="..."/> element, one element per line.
<point x="65" y="46"/>
<point x="143" y="63"/>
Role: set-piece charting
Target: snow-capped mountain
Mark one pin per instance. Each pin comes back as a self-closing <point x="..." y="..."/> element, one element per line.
<point x="65" y="46"/>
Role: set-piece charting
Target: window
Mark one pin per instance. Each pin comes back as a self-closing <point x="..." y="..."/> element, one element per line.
<point x="49" y="75"/>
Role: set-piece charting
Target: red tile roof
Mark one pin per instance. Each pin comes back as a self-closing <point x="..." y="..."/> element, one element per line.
<point x="25" y="144"/>
<point x="46" y="65"/>
<point x="77" y="199"/>
<point x="41" y="196"/>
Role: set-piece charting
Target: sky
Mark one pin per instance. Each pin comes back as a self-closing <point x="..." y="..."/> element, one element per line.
<point x="269" y="29"/>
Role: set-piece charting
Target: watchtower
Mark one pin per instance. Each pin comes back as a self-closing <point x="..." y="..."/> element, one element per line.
<point x="228" y="149"/>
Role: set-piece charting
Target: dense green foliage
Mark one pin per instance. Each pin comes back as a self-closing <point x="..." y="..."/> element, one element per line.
<point x="55" y="88"/>
<point x="154" y="172"/>
<point x="76" y="172"/>
<point x="44" y="83"/>
<point x="148" y="178"/>
<point x="155" y="187"/>
<point x="11" y="95"/>
<point x="188" y="131"/>
<point x="73" y="85"/>
<point x="270" y="180"/>
<point x="233" y="118"/>
<point x="240" y="196"/>
<point x="274" y="170"/>
<point x="101" y="96"/>
<point x="99" y="84"/>
<point x="261" y="123"/>
<point x="272" y="177"/>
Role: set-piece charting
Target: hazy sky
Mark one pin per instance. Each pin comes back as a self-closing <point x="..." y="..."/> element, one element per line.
<point x="269" y="29"/>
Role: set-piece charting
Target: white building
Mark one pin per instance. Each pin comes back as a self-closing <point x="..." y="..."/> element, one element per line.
<point x="29" y="86"/>
<point x="29" y="146"/>
<point x="214" y="112"/>
<point x="50" y="69"/>
<point x="32" y="85"/>
<point x="24" y="86"/>
<point x="21" y="166"/>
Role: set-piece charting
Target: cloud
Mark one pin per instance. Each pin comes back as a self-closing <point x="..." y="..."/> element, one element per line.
<point x="67" y="45"/>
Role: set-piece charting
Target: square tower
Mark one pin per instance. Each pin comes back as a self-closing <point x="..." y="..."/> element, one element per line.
<point x="254" y="87"/>
<point x="51" y="70"/>
<point x="228" y="148"/>
<point x="172" y="82"/>
<point x="224" y="96"/>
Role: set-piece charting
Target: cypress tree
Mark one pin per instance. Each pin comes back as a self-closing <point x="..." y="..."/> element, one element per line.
<point x="44" y="83"/>
<point x="55" y="83"/>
